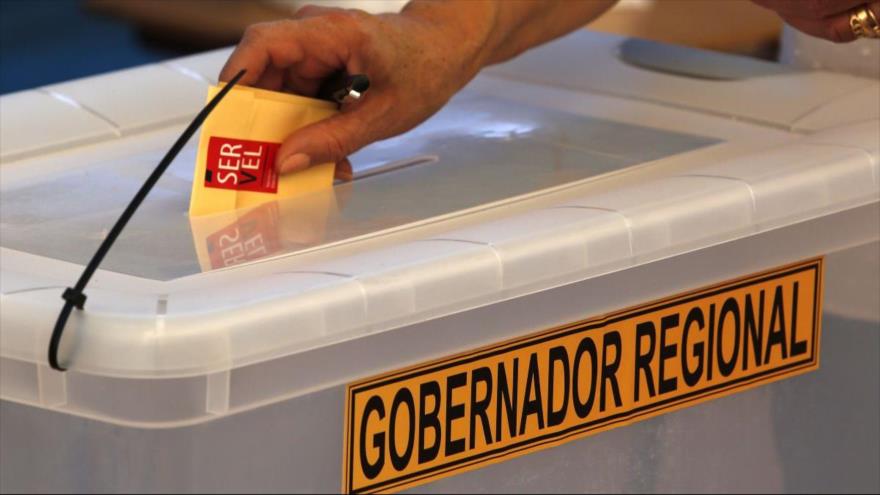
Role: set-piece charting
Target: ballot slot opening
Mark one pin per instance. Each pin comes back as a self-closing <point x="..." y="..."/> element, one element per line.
<point x="395" y="165"/>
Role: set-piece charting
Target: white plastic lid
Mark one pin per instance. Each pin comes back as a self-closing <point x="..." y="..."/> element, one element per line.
<point x="542" y="172"/>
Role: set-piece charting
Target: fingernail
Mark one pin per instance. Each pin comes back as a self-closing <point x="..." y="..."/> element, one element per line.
<point x="292" y="163"/>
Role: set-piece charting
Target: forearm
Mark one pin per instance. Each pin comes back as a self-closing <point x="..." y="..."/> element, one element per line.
<point x="498" y="30"/>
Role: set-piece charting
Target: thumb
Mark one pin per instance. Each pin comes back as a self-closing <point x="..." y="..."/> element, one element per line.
<point x="328" y="140"/>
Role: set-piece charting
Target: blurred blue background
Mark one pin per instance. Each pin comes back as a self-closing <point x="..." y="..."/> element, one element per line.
<point x="47" y="41"/>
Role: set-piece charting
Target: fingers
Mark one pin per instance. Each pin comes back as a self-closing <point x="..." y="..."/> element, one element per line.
<point x="295" y="83"/>
<point x="828" y="19"/>
<point x="307" y="11"/>
<point x="835" y="28"/>
<point x="247" y="55"/>
<point x="809" y="9"/>
<point x="271" y="79"/>
<point x="344" y="171"/>
<point x="328" y="140"/>
<point x="263" y="47"/>
<point x="296" y="55"/>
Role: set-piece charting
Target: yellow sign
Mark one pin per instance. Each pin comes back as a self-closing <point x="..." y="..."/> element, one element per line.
<point x="485" y="406"/>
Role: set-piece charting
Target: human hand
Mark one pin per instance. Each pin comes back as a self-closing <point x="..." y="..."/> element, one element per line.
<point x="414" y="64"/>
<point x="827" y="19"/>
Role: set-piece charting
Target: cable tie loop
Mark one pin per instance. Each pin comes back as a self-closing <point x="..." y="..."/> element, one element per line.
<point x="73" y="296"/>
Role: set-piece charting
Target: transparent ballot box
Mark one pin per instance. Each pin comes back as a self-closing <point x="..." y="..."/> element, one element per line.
<point x="608" y="265"/>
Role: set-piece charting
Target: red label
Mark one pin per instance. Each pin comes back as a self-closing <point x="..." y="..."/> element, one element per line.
<point x="241" y="165"/>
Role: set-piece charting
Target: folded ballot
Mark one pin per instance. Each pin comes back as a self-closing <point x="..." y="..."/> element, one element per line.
<point x="235" y="166"/>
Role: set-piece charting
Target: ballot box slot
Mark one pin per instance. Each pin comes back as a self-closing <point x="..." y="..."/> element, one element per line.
<point x="394" y="166"/>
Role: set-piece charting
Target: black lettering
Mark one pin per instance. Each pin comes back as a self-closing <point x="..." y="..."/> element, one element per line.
<point x="582" y="408"/>
<point x="753" y="333"/>
<point x="403" y="396"/>
<point x="478" y="407"/>
<point x="508" y="398"/>
<point x="557" y="416"/>
<point x="776" y="335"/>
<point x="667" y="352"/>
<point x="797" y="347"/>
<point x="692" y="377"/>
<point x="372" y="469"/>
<point x="453" y="412"/>
<point x="532" y="406"/>
<point x="609" y="371"/>
<point x="429" y="420"/>
<point x="643" y="361"/>
<point x="730" y="306"/>
<point x="250" y="177"/>
<point x="710" y="351"/>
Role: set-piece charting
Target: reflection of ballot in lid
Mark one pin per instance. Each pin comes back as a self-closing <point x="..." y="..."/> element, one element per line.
<point x="235" y="165"/>
<point x="248" y="234"/>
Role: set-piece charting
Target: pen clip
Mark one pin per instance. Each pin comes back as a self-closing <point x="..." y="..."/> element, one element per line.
<point x="344" y="88"/>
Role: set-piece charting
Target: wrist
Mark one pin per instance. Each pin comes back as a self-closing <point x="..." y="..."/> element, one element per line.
<point x="463" y="29"/>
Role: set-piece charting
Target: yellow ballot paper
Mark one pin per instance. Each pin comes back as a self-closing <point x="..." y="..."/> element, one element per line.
<point x="235" y="166"/>
<point x="273" y="228"/>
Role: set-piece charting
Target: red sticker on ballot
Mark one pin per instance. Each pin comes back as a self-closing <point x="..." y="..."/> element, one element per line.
<point x="241" y="165"/>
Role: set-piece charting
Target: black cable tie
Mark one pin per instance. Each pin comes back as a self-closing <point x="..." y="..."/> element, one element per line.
<point x="74" y="296"/>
